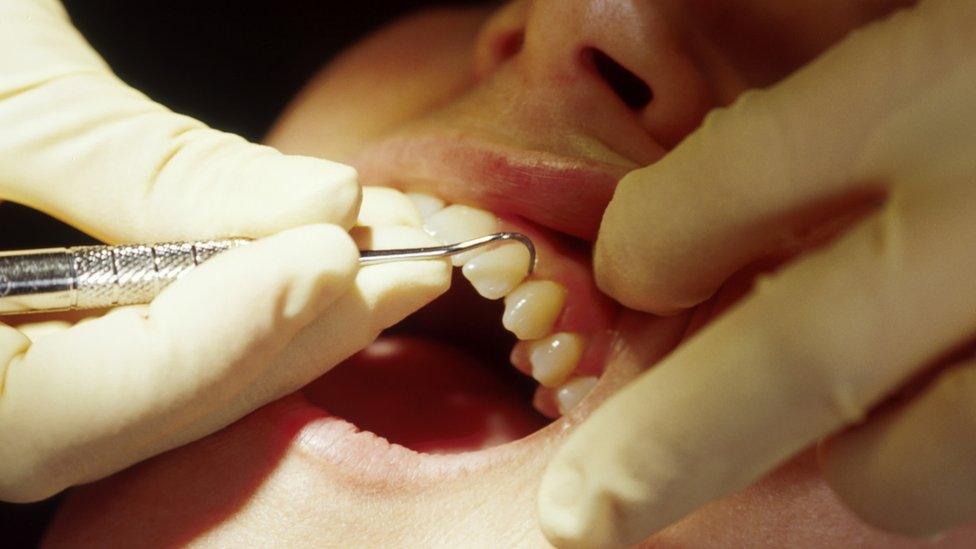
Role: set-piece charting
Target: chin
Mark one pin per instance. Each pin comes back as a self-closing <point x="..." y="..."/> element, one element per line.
<point x="437" y="434"/>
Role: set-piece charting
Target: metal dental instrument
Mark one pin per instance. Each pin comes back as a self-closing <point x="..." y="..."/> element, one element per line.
<point x="92" y="277"/>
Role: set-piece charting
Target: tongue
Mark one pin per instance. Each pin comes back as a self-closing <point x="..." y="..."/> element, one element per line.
<point x="429" y="396"/>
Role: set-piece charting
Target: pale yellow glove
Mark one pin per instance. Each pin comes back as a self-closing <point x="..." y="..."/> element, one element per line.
<point x="80" y="402"/>
<point x="889" y="111"/>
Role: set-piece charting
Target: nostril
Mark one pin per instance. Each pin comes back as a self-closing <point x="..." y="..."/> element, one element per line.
<point x="629" y="87"/>
<point x="509" y="44"/>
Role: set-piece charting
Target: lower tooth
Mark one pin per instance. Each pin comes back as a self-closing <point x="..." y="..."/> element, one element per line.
<point x="426" y="204"/>
<point x="458" y="223"/>
<point x="555" y="357"/>
<point x="572" y="392"/>
<point x="495" y="273"/>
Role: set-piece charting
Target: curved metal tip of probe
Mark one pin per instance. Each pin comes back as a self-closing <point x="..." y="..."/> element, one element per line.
<point x="524" y="240"/>
<point x="371" y="257"/>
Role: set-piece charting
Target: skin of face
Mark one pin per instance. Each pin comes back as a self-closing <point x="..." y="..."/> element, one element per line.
<point x="511" y="76"/>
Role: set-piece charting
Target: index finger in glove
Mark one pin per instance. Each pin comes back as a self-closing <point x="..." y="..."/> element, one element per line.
<point x="82" y="146"/>
<point x="382" y="295"/>
<point x="757" y="175"/>
<point x="811" y="351"/>
<point x="81" y="403"/>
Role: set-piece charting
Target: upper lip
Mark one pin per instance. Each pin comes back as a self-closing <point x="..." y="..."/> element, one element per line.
<point x="562" y="193"/>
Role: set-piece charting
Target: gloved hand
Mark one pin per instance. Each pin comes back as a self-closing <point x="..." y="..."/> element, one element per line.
<point x="257" y="322"/>
<point x="888" y="112"/>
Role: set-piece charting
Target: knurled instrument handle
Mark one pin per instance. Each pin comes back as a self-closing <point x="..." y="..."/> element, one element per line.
<point x="91" y="277"/>
<point x="95" y="277"/>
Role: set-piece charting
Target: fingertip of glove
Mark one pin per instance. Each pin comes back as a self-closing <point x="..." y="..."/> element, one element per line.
<point x="324" y="245"/>
<point x="394" y="290"/>
<point x="642" y="282"/>
<point x="385" y="206"/>
<point x="275" y="192"/>
<point x="573" y="514"/>
<point x="594" y="493"/>
<point x="317" y="191"/>
<point x="627" y="280"/>
<point x="558" y="499"/>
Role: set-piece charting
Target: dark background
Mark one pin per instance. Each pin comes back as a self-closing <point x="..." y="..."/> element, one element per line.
<point x="229" y="64"/>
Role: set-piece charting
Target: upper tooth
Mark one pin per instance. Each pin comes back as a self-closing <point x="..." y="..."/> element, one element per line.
<point x="457" y="223"/>
<point x="495" y="273"/>
<point x="573" y="391"/>
<point x="555" y="357"/>
<point x="532" y="308"/>
<point x="426" y="204"/>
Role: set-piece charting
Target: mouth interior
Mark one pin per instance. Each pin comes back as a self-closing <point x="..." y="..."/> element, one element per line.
<point x="439" y="382"/>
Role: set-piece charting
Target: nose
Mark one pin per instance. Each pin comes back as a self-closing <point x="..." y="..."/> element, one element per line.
<point x="637" y="53"/>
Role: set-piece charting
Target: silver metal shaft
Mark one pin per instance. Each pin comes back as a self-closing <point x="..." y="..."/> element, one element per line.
<point x="368" y="257"/>
<point x="91" y="277"/>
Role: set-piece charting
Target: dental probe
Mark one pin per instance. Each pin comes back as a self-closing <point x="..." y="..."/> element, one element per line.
<point x="93" y="277"/>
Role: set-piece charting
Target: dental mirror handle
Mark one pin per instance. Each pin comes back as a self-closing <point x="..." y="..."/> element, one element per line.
<point x="93" y="277"/>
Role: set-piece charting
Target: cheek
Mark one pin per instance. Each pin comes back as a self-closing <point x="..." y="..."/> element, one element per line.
<point x="387" y="80"/>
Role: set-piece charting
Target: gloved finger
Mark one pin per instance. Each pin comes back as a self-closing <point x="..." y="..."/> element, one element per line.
<point x="759" y="174"/>
<point x="37" y="330"/>
<point x="382" y="295"/>
<point x="912" y="470"/>
<point x="386" y="206"/>
<point x="82" y="146"/>
<point x="810" y="351"/>
<point x="88" y="401"/>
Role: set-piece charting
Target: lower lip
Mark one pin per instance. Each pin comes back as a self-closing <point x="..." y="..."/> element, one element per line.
<point x="364" y="459"/>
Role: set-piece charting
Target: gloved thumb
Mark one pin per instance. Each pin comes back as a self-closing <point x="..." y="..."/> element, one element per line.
<point x="82" y="146"/>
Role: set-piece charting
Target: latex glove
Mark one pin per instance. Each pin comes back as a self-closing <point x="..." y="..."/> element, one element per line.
<point x="81" y="402"/>
<point x="241" y="330"/>
<point x="817" y="345"/>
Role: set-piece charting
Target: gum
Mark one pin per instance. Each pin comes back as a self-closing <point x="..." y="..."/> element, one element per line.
<point x="586" y="311"/>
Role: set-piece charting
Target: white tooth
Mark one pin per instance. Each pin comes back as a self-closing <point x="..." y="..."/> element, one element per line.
<point x="573" y="391"/>
<point x="532" y="308"/>
<point x="456" y="223"/>
<point x="495" y="273"/>
<point x="426" y="204"/>
<point x="555" y="357"/>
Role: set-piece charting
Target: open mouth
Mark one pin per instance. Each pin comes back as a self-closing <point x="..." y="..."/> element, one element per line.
<point x="492" y="360"/>
<point x="500" y="358"/>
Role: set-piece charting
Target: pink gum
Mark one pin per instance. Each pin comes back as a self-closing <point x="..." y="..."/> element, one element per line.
<point x="586" y="312"/>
